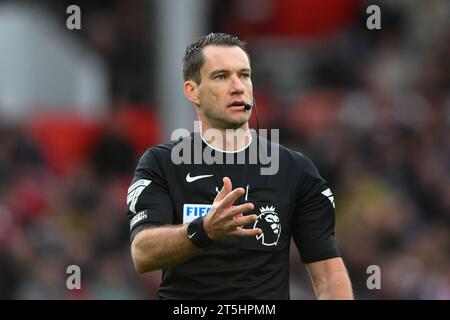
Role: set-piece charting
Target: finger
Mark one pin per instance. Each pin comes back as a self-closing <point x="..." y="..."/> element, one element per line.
<point x="246" y="232"/>
<point x="226" y="189"/>
<point x="231" y="197"/>
<point x="239" y="215"/>
<point x="242" y="221"/>
<point x="240" y="209"/>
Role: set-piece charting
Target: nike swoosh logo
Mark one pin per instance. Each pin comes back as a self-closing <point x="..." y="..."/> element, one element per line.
<point x="191" y="235"/>
<point x="192" y="179"/>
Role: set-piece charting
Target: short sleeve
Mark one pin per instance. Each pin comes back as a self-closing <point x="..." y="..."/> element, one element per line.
<point x="148" y="200"/>
<point x="314" y="219"/>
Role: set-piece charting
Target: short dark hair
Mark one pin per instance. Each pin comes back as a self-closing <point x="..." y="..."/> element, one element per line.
<point x="193" y="59"/>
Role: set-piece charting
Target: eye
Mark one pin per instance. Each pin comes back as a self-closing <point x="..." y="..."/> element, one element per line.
<point x="245" y="75"/>
<point x="220" y="77"/>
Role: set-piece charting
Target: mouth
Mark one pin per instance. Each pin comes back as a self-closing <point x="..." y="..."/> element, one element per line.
<point x="237" y="104"/>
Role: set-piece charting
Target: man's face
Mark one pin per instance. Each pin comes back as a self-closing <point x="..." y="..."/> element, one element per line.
<point x="225" y="87"/>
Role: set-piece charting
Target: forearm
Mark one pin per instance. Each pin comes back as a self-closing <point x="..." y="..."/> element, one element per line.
<point x="335" y="286"/>
<point x="162" y="247"/>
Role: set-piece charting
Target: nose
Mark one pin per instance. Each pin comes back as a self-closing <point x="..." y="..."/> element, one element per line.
<point x="237" y="87"/>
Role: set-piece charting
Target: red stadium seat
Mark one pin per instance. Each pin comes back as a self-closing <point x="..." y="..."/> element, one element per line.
<point x="291" y="18"/>
<point x="140" y="125"/>
<point x="65" y="140"/>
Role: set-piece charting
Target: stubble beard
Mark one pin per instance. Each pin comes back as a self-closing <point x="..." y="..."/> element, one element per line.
<point x="220" y="121"/>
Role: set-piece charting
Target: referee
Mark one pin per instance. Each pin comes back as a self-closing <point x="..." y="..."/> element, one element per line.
<point x="223" y="230"/>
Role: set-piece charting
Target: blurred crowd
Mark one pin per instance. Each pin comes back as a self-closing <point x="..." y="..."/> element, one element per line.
<point x="370" y="108"/>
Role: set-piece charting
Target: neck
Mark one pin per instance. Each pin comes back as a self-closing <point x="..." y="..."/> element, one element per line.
<point x="226" y="140"/>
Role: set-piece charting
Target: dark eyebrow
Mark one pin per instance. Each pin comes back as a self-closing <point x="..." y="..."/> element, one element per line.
<point x="216" y="72"/>
<point x="246" y="70"/>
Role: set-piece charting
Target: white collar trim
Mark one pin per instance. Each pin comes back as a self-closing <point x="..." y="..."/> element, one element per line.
<point x="237" y="151"/>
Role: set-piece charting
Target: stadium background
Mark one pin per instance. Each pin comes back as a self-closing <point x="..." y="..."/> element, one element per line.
<point x="78" y="107"/>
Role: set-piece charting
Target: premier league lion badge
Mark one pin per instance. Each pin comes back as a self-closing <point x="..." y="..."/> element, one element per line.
<point x="269" y="222"/>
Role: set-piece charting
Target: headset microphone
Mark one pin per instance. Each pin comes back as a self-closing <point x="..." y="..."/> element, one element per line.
<point x="248" y="106"/>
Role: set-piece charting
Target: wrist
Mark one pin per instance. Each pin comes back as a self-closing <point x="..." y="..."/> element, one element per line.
<point x="198" y="235"/>
<point x="206" y="228"/>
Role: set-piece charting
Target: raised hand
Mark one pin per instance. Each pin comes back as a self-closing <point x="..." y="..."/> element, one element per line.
<point x="225" y="219"/>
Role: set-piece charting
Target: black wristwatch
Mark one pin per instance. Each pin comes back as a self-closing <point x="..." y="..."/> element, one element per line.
<point x="198" y="235"/>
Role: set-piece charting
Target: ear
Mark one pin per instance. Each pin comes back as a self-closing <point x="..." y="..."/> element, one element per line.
<point x="191" y="92"/>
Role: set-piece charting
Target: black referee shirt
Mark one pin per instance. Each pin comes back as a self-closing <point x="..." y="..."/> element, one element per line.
<point x="296" y="202"/>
